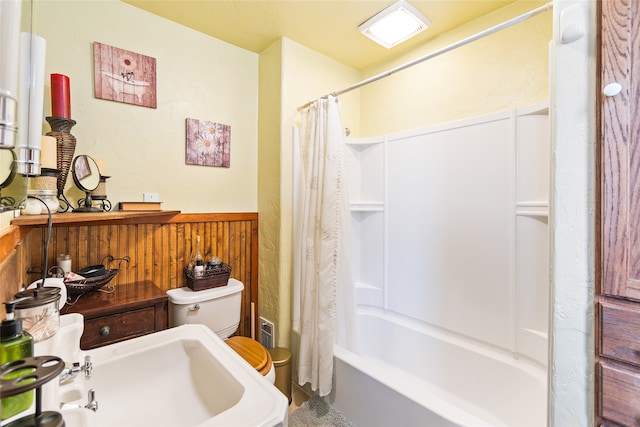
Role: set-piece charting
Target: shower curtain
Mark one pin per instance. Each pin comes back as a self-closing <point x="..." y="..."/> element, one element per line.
<point x="321" y="238"/>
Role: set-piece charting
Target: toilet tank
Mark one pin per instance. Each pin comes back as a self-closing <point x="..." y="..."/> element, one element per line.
<point x="218" y="308"/>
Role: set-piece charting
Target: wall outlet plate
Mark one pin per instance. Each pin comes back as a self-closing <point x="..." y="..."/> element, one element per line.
<point x="150" y="197"/>
<point x="267" y="333"/>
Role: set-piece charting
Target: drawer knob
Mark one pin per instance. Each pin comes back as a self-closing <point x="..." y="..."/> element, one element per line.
<point x="104" y="331"/>
<point x="612" y="89"/>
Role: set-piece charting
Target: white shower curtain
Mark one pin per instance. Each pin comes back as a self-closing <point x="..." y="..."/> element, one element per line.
<point x="322" y="232"/>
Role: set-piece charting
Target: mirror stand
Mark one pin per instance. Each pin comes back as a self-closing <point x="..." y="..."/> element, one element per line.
<point x="86" y="204"/>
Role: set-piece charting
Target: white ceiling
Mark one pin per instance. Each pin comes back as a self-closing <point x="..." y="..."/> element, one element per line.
<point x="326" y="26"/>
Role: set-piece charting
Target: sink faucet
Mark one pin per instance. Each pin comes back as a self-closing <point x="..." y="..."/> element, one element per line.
<point x="92" y="403"/>
<point x="72" y="370"/>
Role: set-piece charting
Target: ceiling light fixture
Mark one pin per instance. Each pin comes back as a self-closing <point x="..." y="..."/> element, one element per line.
<point x="395" y="24"/>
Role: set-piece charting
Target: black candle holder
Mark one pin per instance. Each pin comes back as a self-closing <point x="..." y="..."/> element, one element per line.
<point x="65" y="148"/>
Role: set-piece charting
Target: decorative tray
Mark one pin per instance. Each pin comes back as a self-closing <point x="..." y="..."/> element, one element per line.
<point x="90" y="284"/>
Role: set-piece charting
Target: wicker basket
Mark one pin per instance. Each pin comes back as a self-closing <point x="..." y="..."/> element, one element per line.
<point x="218" y="276"/>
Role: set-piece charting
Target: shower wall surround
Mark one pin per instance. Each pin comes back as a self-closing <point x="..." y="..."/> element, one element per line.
<point x="450" y="228"/>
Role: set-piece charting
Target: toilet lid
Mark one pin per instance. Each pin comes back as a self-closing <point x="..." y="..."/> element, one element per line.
<point x="251" y="351"/>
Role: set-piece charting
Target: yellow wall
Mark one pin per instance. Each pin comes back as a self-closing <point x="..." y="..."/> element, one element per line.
<point x="296" y="75"/>
<point x="505" y="70"/>
<point x="144" y="149"/>
<point x="269" y="178"/>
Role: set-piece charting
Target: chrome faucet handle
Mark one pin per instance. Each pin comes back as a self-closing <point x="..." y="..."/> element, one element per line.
<point x="88" y="367"/>
<point x="69" y="372"/>
<point x="92" y="402"/>
<point x="72" y="369"/>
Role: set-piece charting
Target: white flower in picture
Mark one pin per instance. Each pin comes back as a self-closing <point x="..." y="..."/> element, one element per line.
<point x="208" y="143"/>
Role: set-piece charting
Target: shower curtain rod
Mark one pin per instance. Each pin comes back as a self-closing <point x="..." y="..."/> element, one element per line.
<point x="481" y="34"/>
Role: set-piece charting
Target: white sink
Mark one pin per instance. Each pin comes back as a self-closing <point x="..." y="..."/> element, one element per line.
<point x="183" y="376"/>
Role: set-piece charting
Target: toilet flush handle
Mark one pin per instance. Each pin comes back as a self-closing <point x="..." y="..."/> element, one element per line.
<point x="194" y="307"/>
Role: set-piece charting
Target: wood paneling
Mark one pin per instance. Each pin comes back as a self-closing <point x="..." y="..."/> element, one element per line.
<point x="158" y="247"/>
<point x="9" y="275"/>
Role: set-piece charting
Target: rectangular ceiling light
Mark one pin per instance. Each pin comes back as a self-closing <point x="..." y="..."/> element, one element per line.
<point x="394" y="24"/>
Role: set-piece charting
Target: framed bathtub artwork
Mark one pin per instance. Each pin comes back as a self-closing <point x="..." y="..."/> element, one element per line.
<point x="124" y="76"/>
<point x="208" y="143"/>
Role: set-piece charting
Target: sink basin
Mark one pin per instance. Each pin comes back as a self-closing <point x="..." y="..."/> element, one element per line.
<point x="183" y="376"/>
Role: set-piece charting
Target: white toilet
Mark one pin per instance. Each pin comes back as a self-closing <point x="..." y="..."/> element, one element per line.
<point x="219" y="309"/>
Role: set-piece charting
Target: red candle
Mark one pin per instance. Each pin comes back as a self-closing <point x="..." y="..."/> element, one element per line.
<point x="60" y="96"/>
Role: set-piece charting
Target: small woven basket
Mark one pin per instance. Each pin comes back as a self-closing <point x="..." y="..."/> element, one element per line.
<point x="218" y="276"/>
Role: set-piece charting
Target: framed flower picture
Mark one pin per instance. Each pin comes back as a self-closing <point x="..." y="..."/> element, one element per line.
<point x="208" y="143"/>
<point x="124" y="76"/>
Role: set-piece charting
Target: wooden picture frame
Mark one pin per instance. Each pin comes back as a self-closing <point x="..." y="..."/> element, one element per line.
<point x="208" y="143"/>
<point x="124" y="76"/>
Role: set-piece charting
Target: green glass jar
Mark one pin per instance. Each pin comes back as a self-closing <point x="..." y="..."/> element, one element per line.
<point x="15" y="344"/>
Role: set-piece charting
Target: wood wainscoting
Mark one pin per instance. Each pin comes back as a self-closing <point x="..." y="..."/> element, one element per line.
<point x="159" y="247"/>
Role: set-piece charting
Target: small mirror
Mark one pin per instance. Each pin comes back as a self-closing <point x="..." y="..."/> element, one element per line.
<point x="86" y="176"/>
<point x="7" y="173"/>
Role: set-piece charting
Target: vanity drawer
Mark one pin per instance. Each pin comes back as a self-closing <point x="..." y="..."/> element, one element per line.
<point x="117" y="327"/>
<point x="620" y="332"/>
<point x="619" y="393"/>
<point x="131" y="310"/>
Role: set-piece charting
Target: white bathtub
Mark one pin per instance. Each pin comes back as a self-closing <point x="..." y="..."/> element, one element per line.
<point x="409" y="375"/>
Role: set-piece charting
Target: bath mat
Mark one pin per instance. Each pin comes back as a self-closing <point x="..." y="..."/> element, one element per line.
<point x="315" y="412"/>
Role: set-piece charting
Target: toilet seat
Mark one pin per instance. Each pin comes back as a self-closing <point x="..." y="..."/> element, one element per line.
<point x="253" y="352"/>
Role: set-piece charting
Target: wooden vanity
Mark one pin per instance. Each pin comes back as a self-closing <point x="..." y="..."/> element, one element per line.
<point x="132" y="310"/>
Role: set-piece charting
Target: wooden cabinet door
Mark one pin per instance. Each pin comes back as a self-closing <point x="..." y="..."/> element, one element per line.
<point x="620" y="153"/>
